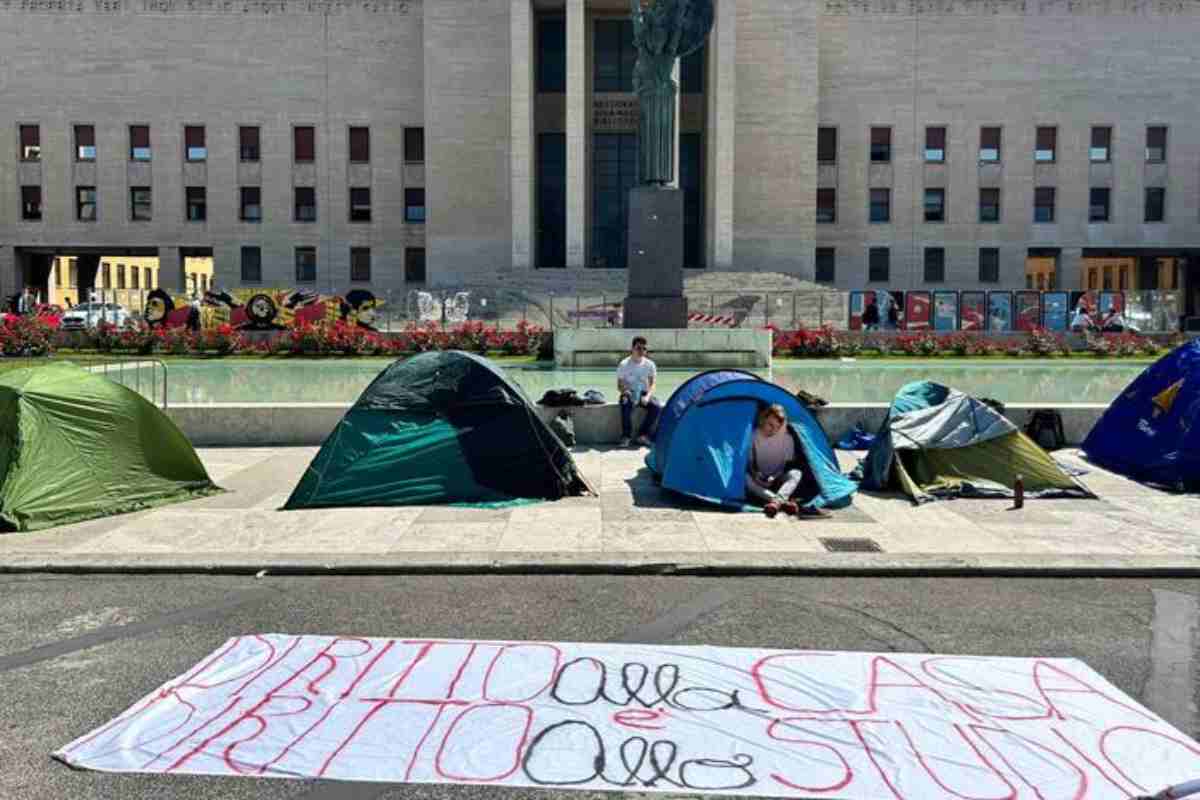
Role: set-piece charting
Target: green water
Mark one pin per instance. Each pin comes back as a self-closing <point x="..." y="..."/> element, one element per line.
<point x="341" y="381"/>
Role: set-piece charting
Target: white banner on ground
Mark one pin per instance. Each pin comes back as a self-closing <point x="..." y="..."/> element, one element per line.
<point x="646" y="718"/>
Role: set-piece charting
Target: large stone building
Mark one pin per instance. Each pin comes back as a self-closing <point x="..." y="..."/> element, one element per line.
<point x="333" y="143"/>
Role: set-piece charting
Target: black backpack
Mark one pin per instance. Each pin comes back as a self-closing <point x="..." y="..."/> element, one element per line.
<point x="1045" y="427"/>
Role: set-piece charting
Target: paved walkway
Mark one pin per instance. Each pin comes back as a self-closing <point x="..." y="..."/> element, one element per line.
<point x="631" y="523"/>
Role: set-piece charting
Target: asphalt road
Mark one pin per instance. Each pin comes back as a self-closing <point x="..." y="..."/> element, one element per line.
<point x="75" y="651"/>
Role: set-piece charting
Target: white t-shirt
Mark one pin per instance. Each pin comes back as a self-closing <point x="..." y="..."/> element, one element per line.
<point x="772" y="454"/>
<point x="637" y="375"/>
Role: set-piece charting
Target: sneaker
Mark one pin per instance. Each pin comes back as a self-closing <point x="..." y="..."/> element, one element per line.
<point x="644" y="440"/>
<point x="790" y="507"/>
<point x="624" y="442"/>
<point x="771" y="509"/>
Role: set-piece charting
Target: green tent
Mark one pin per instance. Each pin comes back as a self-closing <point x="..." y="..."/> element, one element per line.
<point x="939" y="442"/>
<point x="74" y="446"/>
<point x="440" y="427"/>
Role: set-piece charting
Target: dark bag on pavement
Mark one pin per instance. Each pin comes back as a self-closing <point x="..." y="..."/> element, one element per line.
<point x="1045" y="427"/>
<point x="594" y="397"/>
<point x="810" y="400"/>
<point x="560" y="398"/>
<point x="563" y="427"/>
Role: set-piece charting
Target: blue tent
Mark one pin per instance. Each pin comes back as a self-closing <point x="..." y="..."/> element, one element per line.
<point x="1151" y="432"/>
<point x="702" y="446"/>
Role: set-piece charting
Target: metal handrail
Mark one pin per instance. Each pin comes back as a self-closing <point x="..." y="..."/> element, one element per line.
<point x="137" y="363"/>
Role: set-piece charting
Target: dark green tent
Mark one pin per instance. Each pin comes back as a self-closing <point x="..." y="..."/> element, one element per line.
<point x="444" y="427"/>
<point x="74" y="445"/>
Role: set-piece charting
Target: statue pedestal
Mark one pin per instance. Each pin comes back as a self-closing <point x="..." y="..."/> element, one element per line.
<point x="655" y="259"/>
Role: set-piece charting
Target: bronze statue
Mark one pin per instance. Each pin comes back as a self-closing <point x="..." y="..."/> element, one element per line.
<point x="663" y="31"/>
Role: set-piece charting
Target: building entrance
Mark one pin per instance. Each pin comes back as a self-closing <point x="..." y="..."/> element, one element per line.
<point x="614" y="173"/>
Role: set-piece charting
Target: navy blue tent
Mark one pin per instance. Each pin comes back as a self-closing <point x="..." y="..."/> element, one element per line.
<point x="702" y="446"/>
<point x="1151" y="432"/>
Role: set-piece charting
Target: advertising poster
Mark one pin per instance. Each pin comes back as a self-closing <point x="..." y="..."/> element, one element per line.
<point x="1000" y="316"/>
<point x="858" y="303"/>
<point x="1028" y="307"/>
<point x="1054" y="310"/>
<point x="918" y="311"/>
<point x="1110" y="302"/>
<point x="945" y="311"/>
<point x="891" y="314"/>
<point x="973" y="313"/>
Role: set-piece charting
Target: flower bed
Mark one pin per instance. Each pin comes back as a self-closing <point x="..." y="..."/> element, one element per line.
<point x="25" y="336"/>
<point x="1038" y="343"/>
<point x="306" y="339"/>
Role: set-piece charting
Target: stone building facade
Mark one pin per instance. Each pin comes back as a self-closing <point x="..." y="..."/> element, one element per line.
<point x="387" y="143"/>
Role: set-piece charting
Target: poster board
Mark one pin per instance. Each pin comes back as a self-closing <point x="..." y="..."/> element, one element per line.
<point x="1027" y="310"/>
<point x="859" y="300"/>
<point x="945" y="311"/>
<point x="973" y="310"/>
<point x="1055" y="312"/>
<point x="1000" y="312"/>
<point x="918" y="311"/>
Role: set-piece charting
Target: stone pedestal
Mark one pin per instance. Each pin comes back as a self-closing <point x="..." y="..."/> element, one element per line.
<point x="655" y="259"/>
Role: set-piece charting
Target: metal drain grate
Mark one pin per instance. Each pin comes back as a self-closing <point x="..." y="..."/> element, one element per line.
<point x="851" y="545"/>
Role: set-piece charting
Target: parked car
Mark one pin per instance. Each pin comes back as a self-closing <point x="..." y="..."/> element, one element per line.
<point x="90" y="315"/>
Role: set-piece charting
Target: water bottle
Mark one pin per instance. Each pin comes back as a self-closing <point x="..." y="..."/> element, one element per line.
<point x="1019" y="492"/>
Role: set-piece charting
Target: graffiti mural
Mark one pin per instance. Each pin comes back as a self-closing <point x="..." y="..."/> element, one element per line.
<point x="261" y="309"/>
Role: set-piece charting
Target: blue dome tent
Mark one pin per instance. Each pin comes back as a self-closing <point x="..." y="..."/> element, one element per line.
<point x="702" y="446"/>
<point x="1151" y="432"/>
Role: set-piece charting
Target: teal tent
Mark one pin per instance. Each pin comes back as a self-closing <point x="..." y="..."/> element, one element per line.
<point x="441" y="427"/>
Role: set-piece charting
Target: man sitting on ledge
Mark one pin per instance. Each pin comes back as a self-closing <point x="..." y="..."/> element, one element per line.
<point x="636" y="375"/>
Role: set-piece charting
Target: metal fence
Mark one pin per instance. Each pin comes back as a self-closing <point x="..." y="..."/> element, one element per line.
<point x="146" y="376"/>
<point x="1148" y="311"/>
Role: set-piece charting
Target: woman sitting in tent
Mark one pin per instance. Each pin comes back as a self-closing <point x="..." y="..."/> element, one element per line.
<point x="776" y="467"/>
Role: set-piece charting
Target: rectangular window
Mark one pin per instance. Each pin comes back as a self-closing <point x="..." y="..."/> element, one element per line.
<point x="135" y="278"/>
<point x="881" y="205"/>
<point x="826" y="206"/>
<point x="989" y="265"/>
<point x="139" y="142"/>
<point x="1101" y="149"/>
<point x="248" y="143"/>
<point x="613" y="56"/>
<point x="879" y="264"/>
<point x="935" y="145"/>
<point x="106" y="271"/>
<point x="989" y="144"/>
<point x="935" y="265"/>
<point x="85" y="143"/>
<point x="691" y="71"/>
<point x="552" y="55"/>
<point x="306" y="204"/>
<point x="251" y="264"/>
<point x="827" y="145"/>
<point x="1156" y="143"/>
<point x="120" y="276"/>
<point x="989" y="205"/>
<point x="414" y="145"/>
<point x="304" y="144"/>
<point x="31" y="143"/>
<point x="360" y="145"/>
<point x="881" y="145"/>
<point x="360" y="205"/>
<point x="1043" y="204"/>
<point x="414" y="205"/>
<point x="149" y="278"/>
<point x="140" y="205"/>
<point x="193" y="142"/>
<point x="826" y="265"/>
<point x="1046" y="148"/>
<point x="251" y="206"/>
<point x="31" y="203"/>
<point x="306" y="264"/>
<point x="85" y="203"/>
<point x="360" y="264"/>
<point x="414" y="265"/>
<point x="197" y="203"/>
<point x="1098" y="205"/>
<point x="1156" y="204"/>
<point x="935" y="205"/>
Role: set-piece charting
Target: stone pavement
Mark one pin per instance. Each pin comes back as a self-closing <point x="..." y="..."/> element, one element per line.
<point x="631" y="524"/>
